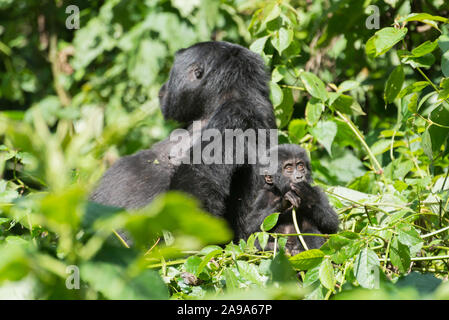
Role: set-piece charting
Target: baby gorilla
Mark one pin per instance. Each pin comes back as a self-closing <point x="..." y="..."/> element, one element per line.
<point x="291" y="188"/>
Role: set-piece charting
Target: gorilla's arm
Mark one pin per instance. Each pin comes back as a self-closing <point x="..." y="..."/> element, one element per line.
<point x="315" y="206"/>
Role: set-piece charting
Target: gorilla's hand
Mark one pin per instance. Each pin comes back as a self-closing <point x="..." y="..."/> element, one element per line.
<point x="291" y="200"/>
<point x="306" y="193"/>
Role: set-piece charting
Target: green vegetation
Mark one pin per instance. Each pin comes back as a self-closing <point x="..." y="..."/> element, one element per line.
<point x="371" y="106"/>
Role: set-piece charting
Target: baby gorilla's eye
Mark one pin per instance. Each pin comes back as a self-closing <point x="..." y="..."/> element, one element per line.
<point x="289" y="168"/>
<point x="300" y="166"/>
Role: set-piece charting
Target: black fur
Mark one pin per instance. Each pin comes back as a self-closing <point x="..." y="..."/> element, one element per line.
<point x="313" y="212"/>
<point x="223" y="85"/>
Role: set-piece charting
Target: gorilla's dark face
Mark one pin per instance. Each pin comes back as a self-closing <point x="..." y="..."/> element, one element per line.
<point x="203" y="73"/>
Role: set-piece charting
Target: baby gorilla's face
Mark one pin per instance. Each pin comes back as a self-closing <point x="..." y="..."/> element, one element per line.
<point x="294" y="170"/>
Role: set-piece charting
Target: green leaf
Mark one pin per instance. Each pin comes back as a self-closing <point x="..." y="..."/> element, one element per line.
<point x="425" y="48"/>
<point x="327" y="277"/>
<point x="314" y="109"/>
<point x="164" y="213"/>
<point x="346" y="104"/>
<point x="325" y="132"/>
<point x="307" y="259"/>
<point x="445" y="64"/>
<point x="394" y="84"/>
<point x="249" y="272"/>
<point x="281" y="269"/>
<point x="282" y="39"/>
<point x="422" y="17"/>
<point x="258" y="45"/>
<point x="263" y="239"/>
<point x="206" y="260"/>
<point x="314" y="86"/>
<point x="366" y="269"/>
<point x="426" y="143"/>
<point x="425" y="61"/>
<point x="444" y="92"/>
<point x="408" y="235"/>
<point x="232" y="283"/>
<point x="400" y="255"/>
<point x="269" y="222"/>
<point x="192" y="264"/>
<point x="383" y="40"/>
<point x="284" y="111"/>
<point x="276" y="94"/>
<point x="114" y="282"/>
<point x="297" y="129"/>
<point x="414" y="87"/>
<point x="443" y="42"/>
<point x="348" y="85"/>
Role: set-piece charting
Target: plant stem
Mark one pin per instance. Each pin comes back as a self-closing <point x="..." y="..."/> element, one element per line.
<point x="295" y="223"/>
<point x="362" y="140"/>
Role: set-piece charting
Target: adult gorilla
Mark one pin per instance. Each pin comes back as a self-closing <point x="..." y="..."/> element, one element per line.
<point x="225" y="86"/>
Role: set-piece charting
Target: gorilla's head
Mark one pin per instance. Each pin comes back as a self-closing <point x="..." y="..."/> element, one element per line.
<point x="207" y="74"/>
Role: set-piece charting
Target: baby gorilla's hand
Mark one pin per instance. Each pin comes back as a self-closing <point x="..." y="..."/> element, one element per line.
<point x="291" y="200"/>
<point x="305" y="192"/>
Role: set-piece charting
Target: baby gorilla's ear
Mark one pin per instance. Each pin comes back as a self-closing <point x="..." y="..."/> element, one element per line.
<point x="268" y="179"/>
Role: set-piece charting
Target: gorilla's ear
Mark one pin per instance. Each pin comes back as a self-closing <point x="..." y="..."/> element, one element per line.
<point x="197" y="71"/>
<point x="268" y="179"/>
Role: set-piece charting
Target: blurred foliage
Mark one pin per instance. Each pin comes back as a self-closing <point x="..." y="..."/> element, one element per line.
<point x="371" y="106"/>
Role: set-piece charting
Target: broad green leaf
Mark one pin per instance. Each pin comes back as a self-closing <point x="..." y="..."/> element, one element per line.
<point x="276" y="94"/>
<point x="400" y="255"/>
<point x="232" y="282"/>
<point x="297" y="129"/>
<point x="394" y="84"/>
<point x="443" y="42"/>
<point x="425" y="48"/>
<point x="408" y="235"/>
<point x="258" y="45"/>
<point x="327" y="277"/>
<point x="192" y="264"/>
<point x="422" y="17"/>
<point x="114" y="282"/>
<point x="282" y="39"/>
<point x="14" y="264"/>
<point x="425" y="61"/>
<point x="445" y="64"/>
<point x="314" y="108"/>
<point x="283" y="111"/>
<point x="414" y="87"/>
<point x="325" y="132"/>
<point x="444" y="92"/>
<point x="426" y="143"/>
<point x="281" y="269"/>
<point x="263" y="237"/>
<point x="366" y="269"/>
<point x="348" y="85"/>
<point x="314" y="86"/>
<point x="307" y="259"/>
<point x="249" y="272"/>
<point x="206" y="260"/>
<point x="383" y="40"/>
<point x="269" y="222"/>
<point x="347" y="105"/>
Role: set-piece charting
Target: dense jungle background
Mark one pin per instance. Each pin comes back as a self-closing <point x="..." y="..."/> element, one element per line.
<point x="362" y="85"/>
